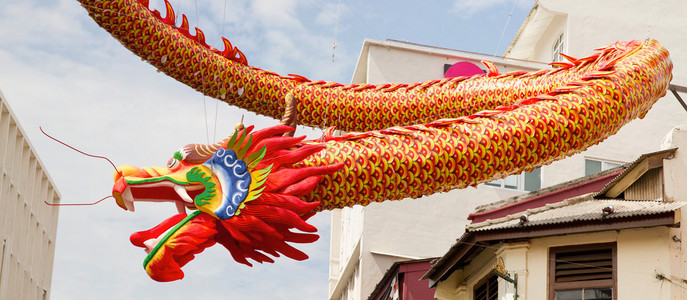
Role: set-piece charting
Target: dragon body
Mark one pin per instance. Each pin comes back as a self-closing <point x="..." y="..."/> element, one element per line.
<point x="253" y="189"/>
<point x="225" y="75"/>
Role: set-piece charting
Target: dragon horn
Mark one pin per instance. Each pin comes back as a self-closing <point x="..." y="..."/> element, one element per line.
<point x="199" y="153"/>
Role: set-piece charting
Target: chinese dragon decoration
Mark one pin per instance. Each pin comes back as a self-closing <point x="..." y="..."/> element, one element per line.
<point x="254" y="191"/>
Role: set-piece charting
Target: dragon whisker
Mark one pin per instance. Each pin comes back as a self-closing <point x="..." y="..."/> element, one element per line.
<point x="76" y="204"/>
<point x="84" y="153"/>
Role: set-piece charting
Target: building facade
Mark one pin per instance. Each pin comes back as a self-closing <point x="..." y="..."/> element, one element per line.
<point x="624" y="241"/>
<point x="402" y="282"/>
<point x="27" y="225"/>
<point x="575" y="28"/>
<point x="366" y="241"/>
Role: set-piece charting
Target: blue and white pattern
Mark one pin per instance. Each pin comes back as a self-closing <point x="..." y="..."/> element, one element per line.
<point x="234" y="178"/>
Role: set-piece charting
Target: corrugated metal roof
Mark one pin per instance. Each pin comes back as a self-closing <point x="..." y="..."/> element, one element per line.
<point x="661" y="154"/>
<point x="582" y="208"/>
<point x="552" y="194"/>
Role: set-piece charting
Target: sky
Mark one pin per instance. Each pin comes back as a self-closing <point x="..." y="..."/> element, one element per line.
<point x="59" y="70"/>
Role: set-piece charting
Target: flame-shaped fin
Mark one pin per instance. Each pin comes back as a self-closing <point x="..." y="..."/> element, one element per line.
<point x="289" y="202"/>
<point x="170" y="18"/>
<point x="271" y="214"/>
<point x="286" y="176"/>
<point x="491" y="68"/>
<point x="303" y="187"/>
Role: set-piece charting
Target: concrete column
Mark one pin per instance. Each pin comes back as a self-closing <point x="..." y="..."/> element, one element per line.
<point x="514" y="257"/>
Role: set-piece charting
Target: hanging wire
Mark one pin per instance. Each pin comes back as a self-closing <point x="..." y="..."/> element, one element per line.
<point x="504" y="29"/>
<point x="336" y="30"/>
<point x="202" y="80"/>
<point x="224" y="23"/>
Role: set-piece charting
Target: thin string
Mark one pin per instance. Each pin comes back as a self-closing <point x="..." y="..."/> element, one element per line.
<point x="336" y="30"/>
<point x="224" y="24"/>
<point x="76" y="204"/>
<point x="84" y="153"/>
<point x="504" y="28"/>
<point x="202" y="80"/>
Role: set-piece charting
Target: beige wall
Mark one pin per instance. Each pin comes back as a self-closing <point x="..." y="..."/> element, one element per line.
<point x="641" y="254"/>
<point x="27" y="225"/>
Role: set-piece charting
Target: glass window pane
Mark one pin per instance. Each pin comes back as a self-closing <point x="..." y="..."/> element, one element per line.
<point x="511" y="182"/>
<point x="569" y="295"/>
<point x="558" y="47"/>
<point x="598" y="294"/>
<point x="591" y="167"/>
<point x="496" y="183"/>
<point x="533" y="180"/>
<point x="610" y="165"/>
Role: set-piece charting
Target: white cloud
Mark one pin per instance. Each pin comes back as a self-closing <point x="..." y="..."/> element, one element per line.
<point x="59" y="70"/>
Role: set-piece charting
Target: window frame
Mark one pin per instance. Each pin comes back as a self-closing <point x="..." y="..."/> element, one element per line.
<point x="603" y="283"/>
<point x="520" y="185"/>
<point x="604" y="164"/>
<point x="484" y="282"/>
<point x="558" y="48"/>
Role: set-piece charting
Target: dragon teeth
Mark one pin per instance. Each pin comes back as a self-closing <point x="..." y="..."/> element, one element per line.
<point x="129" y="205"/>
<point x="181" y="208"/>
<point x="128" y="199"/>
<point x="183" y="194"/>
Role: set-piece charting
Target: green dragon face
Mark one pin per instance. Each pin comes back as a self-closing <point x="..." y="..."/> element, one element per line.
<point x="218" y="185"/>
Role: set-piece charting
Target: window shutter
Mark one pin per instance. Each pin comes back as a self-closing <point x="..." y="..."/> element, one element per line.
<point x="584" y="265"/>
<point x="489" y="290"/>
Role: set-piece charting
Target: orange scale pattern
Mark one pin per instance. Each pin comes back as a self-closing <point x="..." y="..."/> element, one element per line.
<point x="474" y="129"/>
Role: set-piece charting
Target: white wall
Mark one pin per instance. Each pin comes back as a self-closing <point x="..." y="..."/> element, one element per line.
<point x="675" y="170"/>
<point x="27" y="226"/>
<point x="422" y="228"/>
<point x="411" y="228"/>
<point x="591" y="24"/>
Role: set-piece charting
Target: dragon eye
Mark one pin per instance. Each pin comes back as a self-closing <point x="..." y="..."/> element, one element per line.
<point x="172" y="163"/>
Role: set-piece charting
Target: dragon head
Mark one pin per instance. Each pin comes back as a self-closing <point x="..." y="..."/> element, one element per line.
<point x="244" y="192"/>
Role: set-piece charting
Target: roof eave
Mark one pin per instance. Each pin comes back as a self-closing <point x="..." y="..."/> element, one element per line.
<point x="472" y="243"/>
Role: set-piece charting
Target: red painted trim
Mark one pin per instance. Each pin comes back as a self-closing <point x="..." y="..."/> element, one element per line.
<point x="593" y="185"/>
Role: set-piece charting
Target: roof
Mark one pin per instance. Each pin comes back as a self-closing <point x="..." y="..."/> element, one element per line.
<point x="615" y="180"/>
<point x="360" y="72"/>
<point x="385" y="282"/>
<point x="578" y="215"/>
<point x="530" y="32"/>
<point x="633" y="171"/>
<point x="552" y="194"/>
<point x="590" y="212"/>
<point x="579" y="209"/>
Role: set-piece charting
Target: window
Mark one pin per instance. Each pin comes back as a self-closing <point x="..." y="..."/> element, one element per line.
<point x="525" y="181"/>
<point x="487" y="288"/>
<point x="558" y="48"/>
<point x="592" y="166"/>
<point x="583" y="272"/>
